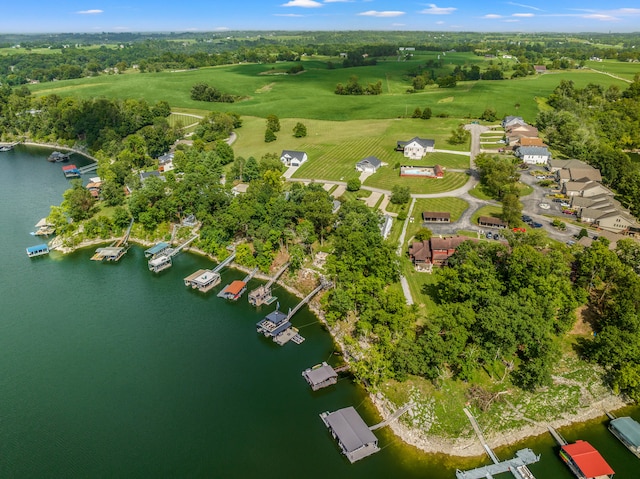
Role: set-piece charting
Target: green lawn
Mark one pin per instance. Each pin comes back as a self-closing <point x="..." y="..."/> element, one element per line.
<point x="622" y="69"/>
<point x="386" y="178"/>
<point x="494" y="211"/>
<point x="311" y="94"/>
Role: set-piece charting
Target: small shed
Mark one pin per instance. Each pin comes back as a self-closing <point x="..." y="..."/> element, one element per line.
<point x="491" y="222"/>
<point x="320" y="376"/>
<point x="436" y="217"/>
<point x="353" y="435"/>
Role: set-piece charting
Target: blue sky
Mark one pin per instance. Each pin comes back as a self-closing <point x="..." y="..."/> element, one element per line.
<point x="215" y="15"/>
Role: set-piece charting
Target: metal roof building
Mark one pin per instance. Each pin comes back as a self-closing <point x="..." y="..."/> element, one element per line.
<point x="628" y="431"/>
<point x="352" y="433"/>
<point x="320" y="376"/>
<point x="585" y="461"/>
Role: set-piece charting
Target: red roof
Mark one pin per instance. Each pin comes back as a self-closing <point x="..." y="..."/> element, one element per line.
<point x="235" y="287"/>
<point x="69" y="167"/>
<point x="590" y="462"/>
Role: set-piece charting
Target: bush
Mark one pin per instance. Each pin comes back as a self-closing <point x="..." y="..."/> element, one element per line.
<point x="353" y="184"/>
<point x="400" y="195"/>
<point x="269" y="136"/>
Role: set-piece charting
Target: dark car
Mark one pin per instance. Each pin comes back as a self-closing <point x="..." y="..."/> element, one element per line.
<point x="496" y="236"/>
<point x="489" y="235"/>
<point x="536" y="225"/>
<point x="527" y="218"/>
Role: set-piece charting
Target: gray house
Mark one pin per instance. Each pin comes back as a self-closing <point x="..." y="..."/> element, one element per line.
<point x="293" y="158"/>
<point x="369" y="165"/>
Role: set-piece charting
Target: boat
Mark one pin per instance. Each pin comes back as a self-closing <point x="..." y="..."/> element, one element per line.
<point x="57" y="157"/>
<point x="6" y="147"/>
<point x="627" y="430"/>
<point x="37" y="250"/>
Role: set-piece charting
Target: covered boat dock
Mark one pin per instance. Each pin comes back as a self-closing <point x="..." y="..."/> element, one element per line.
<point x="585" y="461"/>
<point x="627" y="430"/>
<point x="37" y="250"/>
<point x="157" y="249"/>
<point x="320" y="376"/>
<point x="110" y="253"/>
<point x="353" y="435"/>
<point x="203" y="280"/>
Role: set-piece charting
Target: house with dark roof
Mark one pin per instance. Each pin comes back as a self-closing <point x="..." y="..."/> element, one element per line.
<point x="369" y="165"/>
<point x="293" y="158"/>
<point x="533" y="155"/>
<point x="416" y="148"/>
<point x="436" y="217"/>
<point x="491" y="222"/>
<point x="165" y="162"/>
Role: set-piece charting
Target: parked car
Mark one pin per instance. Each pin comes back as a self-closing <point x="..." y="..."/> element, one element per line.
<point x="527" y="218"/>
<point x="544" y="206"/>
<point x="570" y="243"/>
<point x="568" y="212"/>
<point x="565" y="204"/>
<point x="489" y="235"/>
<point x="519" y="230"/>
<point x="536" y="225"/>
<point x="540" y="177"/>
<point x="496" y="236"/>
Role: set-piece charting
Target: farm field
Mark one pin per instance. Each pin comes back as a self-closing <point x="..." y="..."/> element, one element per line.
<point x="310" y="95"/>
<point x="622" y="69"/>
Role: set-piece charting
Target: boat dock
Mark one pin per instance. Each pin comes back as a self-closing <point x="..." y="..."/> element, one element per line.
<point x="627" y="431"/>
<point x="320" y="376"/>
<point x="517" y="466"/>
<point x="393" y="417"/>
<point x="44" y="228"/>
<point x="8" y="146"/>
<point x="355" y="439"/>
<point x="71" y="171"/>
<point x="37" y="250"/>
<point x="57" y="157"/>
<point x="116" y="250"/>
<point x="156" y="250"/>
<point x="262" y="294"/>
<point x="235" y="289"/>
<point x="161" y="261"/>
<point x="557" y="436"/>
<point x="203" y="280"/>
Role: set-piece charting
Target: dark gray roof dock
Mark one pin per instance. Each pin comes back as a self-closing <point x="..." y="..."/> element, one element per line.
<point x="352" y="433"/>
<point x="320" y="376"/>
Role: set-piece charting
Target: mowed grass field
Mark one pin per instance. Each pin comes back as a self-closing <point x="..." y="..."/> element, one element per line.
<point x="265" y="90"/>
<point x="622" y="69"/>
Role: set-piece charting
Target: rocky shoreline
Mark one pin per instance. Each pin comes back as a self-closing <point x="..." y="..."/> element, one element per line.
<point x="428" y="443"/>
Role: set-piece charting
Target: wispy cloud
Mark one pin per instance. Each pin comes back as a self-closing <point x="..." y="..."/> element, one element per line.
<point x="524" y="6"/>
<point x="492" y="15"/>
<point x="339" y="1"/>
<point x="601" y="17"/>
<point x="524" y="15"/>
<point x="221" y="29"/>
<point x="440" y="22"/>
<point x="90" y="12"/>
<point x="385" y="14"/>
<point x="296" y="15"/>
<point x="302" y="4"/>
<point x="436" y="10"/>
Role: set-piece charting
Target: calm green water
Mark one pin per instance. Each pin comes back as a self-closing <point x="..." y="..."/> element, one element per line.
<point x="107" y="370"/>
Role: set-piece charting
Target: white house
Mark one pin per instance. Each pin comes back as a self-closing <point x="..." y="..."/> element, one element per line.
<point x="416" y="148"/>
<point x="533" y="155"/>
<point x="293" y="158"/>
<point x="369" y="165"/>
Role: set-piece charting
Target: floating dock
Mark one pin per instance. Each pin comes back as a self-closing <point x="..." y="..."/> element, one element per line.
<point x="162" y="261"/>
<point x="37" y="250"/>
<point x="627" y="430"/>
<point x="517" y="466"/>
<point x="355" y="439"/>
<point x="156" y="250"/>
<point x="203" y="280"/>
<point x="116" y="250"/>
<point x="236" y="289"/>
<point x="320" y="376"/>
<point x="262" y="294"/>
<point x="44" y="228"/>
<point x="585" y="461"/>
<point x="57" y="157"/>
<point x="71" y="171"/>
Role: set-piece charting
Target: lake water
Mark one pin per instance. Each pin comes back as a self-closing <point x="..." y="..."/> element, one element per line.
<point x="107" y="370"/>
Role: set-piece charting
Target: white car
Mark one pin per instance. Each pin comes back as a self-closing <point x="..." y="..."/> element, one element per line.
<point x="544" y="206"/>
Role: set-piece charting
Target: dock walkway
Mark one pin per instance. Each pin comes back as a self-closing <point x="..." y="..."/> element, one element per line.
<point x="392" y="418"/>
<point x="517" y="466"/>
<point x="557" y="436"/>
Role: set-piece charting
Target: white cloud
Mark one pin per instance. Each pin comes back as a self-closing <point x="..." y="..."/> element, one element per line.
<point x="221" y="29"/>
<point x="339" y="1"/>
<point x="89" y="12"/>
<point x="436" y="10"/>
<point x="302" y="3"/>
<point x="385" y="14"/>
<point x="296" y="15"/>
<point x="440" y="22"/>
<point x="524" y="15"/>
<point x="524" y="6"/>
<point x="601" y="16"/>
<point x="492" y="15"/>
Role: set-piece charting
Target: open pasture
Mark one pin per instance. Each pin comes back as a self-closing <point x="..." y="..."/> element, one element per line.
<point x="622" y="69"/>
<point x="265" y="90"/>
<point x="386" y="178"/>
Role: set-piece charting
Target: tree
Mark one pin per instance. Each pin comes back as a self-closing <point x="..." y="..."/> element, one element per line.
<point x="78" y="202"/>
<point x="511" y="209"/>
<point x="400" y="195"/>
<point x="423" y="234"/>
<point x="300" y="130"/>
<point x="273" y="123"/>
<point x="417" y="113"/>
<point x="269" y="136"/>
<point x="459" y="136"/>
<point x="353" y="184"/>
<point x="489" y="114"/>
<point x="426" y="113"/>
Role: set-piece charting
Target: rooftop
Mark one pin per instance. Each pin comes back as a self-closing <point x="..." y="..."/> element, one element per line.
<point x="590" y="462"/>
<point x="351" y="430"/>
<point x="628" y="428"/>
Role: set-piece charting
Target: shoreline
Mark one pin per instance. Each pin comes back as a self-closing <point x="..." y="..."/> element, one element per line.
<point x="467" y="447"/>
<point x="55" y="146"/>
